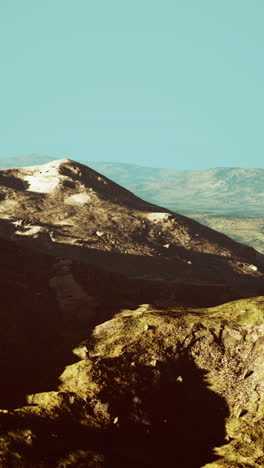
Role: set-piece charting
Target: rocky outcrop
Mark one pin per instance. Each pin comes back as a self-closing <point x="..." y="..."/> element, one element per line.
<point x="158" y="388"/>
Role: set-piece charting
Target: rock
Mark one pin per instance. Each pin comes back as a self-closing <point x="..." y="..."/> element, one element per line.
<point x="200" y="404"/>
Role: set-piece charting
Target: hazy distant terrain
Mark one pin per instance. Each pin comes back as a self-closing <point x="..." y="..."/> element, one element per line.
<point x="224" y="189"/>
<point x="230" y="200"/>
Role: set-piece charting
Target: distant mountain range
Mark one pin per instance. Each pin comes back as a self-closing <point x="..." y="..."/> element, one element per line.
<point x="223" y="189"/>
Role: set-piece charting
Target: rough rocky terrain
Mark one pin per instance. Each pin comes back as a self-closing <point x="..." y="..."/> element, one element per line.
<point x="222" y="189"/>
<point x="245" y="228"/>
<point x="152" y="388"/>
<point x="71" y="210"/>
<point x="117" y="348"/>
<point x="227" y="189"/>
<point x="229" y="200"/>
<point x="47" y="303"/>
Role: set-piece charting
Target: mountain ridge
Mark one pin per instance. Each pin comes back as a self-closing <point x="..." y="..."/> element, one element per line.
<point x="220" y="188"/>
<point x="66" y="206"/>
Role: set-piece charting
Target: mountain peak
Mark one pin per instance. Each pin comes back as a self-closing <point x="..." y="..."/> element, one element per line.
<point x="44" y="178"/>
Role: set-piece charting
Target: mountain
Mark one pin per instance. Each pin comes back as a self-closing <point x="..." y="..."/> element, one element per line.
<point x="234" y="207"/>
<point x="224" y="189"/>
<point x="69" y="209"/>
<point x="122" y="173"/>
<point x="229" y="200"/>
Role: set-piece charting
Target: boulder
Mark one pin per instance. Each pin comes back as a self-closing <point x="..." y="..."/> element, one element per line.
<point x="154" y="388"/>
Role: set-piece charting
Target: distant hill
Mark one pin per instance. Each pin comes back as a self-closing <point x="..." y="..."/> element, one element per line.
<point x="229" y="200"/>
<point x="225" y="189"/>
<point x="24" y="160"/>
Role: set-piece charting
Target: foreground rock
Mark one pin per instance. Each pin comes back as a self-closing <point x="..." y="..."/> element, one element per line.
<point x="152" y="388"/>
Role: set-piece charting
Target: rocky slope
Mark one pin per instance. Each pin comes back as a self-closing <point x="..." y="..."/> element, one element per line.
<point x="45" y="309"/>
<point x="160" y="385"/>
<point x="230" y="193"/>
<point x="227" y="189"/>
<point x="46" y="302"/>
<point x="244" y="228"/>
<point x="71" y="210"/>
<point x="153" y="387"/>
<point x="49" y="302"/>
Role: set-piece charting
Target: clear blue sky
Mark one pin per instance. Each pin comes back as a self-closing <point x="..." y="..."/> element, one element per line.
<point x="165" y="83"/>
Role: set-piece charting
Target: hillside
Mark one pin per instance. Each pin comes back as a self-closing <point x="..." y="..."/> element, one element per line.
<point x="234" y="208"/>
<point x="118" y="344"/>
<point x="248" y="229"/>
<point x="227" y="189"/>
<point x="230" y="190"/>
<point x="72" y="210"/>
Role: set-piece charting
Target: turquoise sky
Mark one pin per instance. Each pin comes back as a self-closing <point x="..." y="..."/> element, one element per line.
<point x="164" y="83"/>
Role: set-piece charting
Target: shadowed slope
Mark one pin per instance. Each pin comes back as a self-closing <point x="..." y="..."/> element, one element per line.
<point x="65" y="203"/>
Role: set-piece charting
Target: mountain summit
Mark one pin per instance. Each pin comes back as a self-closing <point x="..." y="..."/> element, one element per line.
<point x="72" y="210"/>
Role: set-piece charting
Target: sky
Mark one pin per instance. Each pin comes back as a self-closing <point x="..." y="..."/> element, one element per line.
<point x="168" y="83"/>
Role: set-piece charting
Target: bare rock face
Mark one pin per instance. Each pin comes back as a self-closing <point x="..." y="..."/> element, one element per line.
<point x="71" y="210"/>
<point x="156" y="388"/>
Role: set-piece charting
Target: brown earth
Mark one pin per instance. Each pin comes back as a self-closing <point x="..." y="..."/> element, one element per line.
<point x="174" y="383"/>
<point x="245" y="228"/>
<point x="70" y="210"/>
